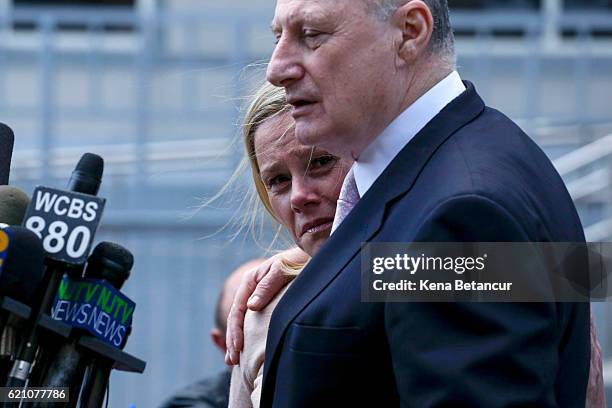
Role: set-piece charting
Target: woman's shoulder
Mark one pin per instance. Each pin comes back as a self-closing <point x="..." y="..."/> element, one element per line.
<point x="256" y="323"/>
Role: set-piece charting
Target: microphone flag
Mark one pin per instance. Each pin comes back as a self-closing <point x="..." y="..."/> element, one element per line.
<point x="95" y="306"/>
<point x="65" y="221"/>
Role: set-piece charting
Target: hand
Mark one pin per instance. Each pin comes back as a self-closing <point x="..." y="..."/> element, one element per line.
<point x="257" y="288"/>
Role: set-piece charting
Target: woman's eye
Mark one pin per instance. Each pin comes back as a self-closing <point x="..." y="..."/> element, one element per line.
<point x="323" y="161"/>
<point x="276" y="182"/>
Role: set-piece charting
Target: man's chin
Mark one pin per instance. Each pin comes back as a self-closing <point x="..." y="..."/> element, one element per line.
<point x="308" y="135"/>
<point x="323" y="137"/>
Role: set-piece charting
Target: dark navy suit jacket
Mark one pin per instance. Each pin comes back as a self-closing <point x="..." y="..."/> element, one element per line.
<point x="470" y="175"/>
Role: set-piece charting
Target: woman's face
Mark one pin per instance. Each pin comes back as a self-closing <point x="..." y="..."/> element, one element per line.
<point x="302" y="184"/>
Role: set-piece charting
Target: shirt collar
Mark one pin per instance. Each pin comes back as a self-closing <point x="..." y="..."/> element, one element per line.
<point x="379" y="154"/>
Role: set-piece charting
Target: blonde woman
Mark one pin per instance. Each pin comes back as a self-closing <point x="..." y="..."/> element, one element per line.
<point x="299" y="187"/>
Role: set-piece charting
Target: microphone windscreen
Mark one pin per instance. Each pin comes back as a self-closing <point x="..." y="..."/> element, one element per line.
<point x="91" y="164"/>
<point x="7" y="138"/>
<point x="13" y="205"/>
<point x="87" y="175"/>
<point x="111" y="262"/>
<point x="23" y="269"/>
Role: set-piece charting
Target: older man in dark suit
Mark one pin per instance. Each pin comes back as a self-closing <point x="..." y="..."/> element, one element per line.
<point x="374" y="80"/>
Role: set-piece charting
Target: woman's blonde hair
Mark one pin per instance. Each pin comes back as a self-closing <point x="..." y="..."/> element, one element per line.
<point x="269" y="101"/>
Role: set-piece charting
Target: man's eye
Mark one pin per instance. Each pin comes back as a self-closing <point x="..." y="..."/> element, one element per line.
<point x="312" y="37"/>
<point x="310" y="33"/>
<point x="277" y="35"/>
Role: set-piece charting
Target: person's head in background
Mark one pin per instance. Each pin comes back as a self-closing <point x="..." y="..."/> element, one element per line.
<point x="297" y="185"/>
<point x="224" y="302"/>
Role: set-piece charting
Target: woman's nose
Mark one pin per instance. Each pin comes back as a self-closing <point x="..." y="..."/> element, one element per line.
<point x="304" y="194"/>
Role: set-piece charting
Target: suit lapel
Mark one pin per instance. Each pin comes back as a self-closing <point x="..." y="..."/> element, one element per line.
<point x="364" y="221"/>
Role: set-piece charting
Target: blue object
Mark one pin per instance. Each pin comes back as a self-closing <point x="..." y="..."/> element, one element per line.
<point x="95" y="306"/>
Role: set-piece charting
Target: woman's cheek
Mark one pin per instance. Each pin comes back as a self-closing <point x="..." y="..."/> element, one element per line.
<point x="282" y="208"/>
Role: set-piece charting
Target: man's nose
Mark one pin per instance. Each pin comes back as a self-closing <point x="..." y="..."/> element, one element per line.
<point x="285" y="65"/>
<point x="303" y="195"/>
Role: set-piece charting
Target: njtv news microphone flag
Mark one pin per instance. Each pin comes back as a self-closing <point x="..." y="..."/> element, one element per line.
<point x="95" y="306"/>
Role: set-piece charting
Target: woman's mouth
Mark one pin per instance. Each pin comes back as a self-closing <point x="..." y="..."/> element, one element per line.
<point x="317" y="226"/>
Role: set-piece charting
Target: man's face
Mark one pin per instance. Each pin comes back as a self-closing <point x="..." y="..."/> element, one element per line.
<point x="338" y="63"/>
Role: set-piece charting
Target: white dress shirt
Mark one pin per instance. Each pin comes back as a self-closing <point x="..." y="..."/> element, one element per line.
<point x="379" y="154"/>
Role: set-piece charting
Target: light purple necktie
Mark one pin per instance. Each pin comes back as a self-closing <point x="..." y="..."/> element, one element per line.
<point x="349" y="197"/>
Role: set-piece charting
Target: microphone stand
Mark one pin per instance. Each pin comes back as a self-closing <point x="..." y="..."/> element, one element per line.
<point x="96" y="384"/>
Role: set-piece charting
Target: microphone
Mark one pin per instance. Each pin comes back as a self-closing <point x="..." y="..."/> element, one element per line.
<point x="7" y="138"/>
<point x="66" y="222"/>
<point x="111" y="263"/>
<point x="21" y="270"/>
<point x="13" y="204"/>
<point x="87" y="176"/>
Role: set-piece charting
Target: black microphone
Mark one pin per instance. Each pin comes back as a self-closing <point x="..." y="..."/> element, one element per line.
<point x="85" y="179"/>
<point x="66" y="222"/>
<point x="7" y="138"/>
<point x="87" y="176"/>
<point x="21" y="270"/>
<point x="111" y="263"/>
<point x="13" y="204"/>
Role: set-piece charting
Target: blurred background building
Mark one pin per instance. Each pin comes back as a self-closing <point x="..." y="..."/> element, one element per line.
<point x="156" y="86"/>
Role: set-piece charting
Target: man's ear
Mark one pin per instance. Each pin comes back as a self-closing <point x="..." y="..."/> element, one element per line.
<point x="415" y="21"/>
<point x="219" y="339"/>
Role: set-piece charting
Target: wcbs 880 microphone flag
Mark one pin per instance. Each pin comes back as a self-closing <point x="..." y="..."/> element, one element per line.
<point x="67" y="220"/>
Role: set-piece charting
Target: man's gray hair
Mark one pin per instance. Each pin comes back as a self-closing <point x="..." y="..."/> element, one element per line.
<point x="442" y="39"/>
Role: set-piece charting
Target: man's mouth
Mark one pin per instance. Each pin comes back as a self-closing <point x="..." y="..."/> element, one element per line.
<point x="301" y="102"/>
<point x="300" y="106"/>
